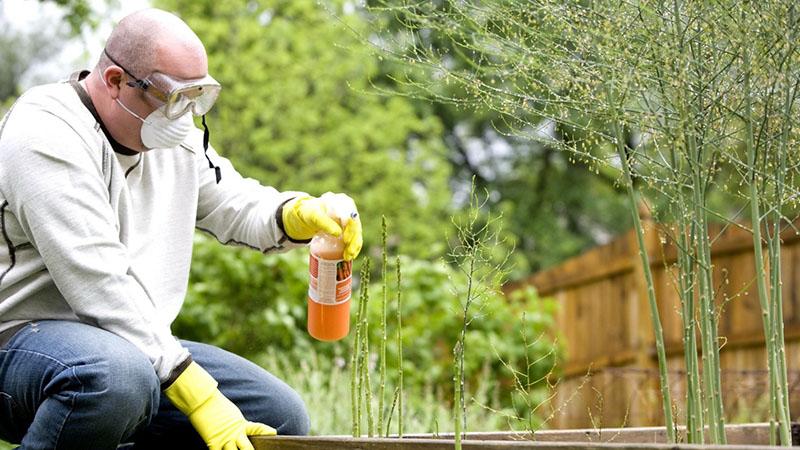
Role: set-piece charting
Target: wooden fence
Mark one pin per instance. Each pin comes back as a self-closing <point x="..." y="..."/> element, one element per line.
<point x="610" y="375"/>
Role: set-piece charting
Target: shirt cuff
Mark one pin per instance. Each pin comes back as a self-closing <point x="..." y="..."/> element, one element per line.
<point x="279" y="221"/>
<point x="176" y="372"/>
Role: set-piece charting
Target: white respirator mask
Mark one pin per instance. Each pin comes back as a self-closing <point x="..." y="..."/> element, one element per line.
<point x="160" y="132"/>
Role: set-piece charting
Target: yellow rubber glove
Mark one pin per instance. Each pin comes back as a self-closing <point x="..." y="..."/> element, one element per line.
<point x="218" y="421"/>
<point x="353" y="240"/>
<point x="305" y="216"/>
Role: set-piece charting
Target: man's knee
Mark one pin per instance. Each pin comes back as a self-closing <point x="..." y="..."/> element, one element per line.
<point x="121" y="390"/>
<point x="283" y="410"/>
<point x="295" y="416"/>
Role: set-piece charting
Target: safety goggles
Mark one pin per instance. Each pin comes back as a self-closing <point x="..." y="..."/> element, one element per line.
<point x="178" y="96"/>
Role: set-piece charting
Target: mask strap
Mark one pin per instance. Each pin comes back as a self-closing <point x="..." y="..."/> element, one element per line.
<point x="217" y="170"/>
<point x="129" y="111"/>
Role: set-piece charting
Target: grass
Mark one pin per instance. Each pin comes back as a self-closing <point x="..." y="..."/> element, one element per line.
<point x="325" y="387"/>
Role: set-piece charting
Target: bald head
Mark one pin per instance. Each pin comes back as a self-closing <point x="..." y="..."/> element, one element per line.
<point x="142" y="43"/>
<point x="155" y="40"/>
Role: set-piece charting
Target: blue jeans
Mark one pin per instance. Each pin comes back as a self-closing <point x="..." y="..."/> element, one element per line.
<point x="68" y="385"/>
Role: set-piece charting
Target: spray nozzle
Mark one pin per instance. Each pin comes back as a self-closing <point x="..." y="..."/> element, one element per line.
<point x="340" y="207"/>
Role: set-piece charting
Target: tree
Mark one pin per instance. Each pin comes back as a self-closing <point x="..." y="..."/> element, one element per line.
<point x="542" y="192"/>
<point x="19" y="51"/>
<point x="77" y="13"/>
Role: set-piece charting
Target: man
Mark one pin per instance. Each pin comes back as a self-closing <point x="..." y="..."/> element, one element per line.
<point x="102" y="182"/>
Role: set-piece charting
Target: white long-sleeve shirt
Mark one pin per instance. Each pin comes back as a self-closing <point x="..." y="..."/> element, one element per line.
<point x="95" y="236"/>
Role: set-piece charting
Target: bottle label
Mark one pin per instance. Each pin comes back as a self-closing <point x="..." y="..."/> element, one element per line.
<point x="330" y="281"/>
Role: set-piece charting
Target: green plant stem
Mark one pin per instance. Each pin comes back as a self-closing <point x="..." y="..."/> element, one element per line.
<point x="457" y="397"/>
<point x="356" y="375"/>
<point x="462" y="340"/>
<point x="777" y="315"/>
<point x="777" y="404"/>
<point x="367" y="384"/>
<point x="686" y="238"/>
<point x="698" y="156"/>
<point x="391" y="410"/>
<point x="651" y="293"/>
<point x="775" y="264"/>
<point x="367" y="388"/>
<point x="694" y="405"/>
<point x="361" y="397"/>
<point x="686" y="273"/>
<point x="701" y="244"/>
<point x="773" y="381"/>
<point x="399" y="351"/>
<point x="382" y="389"/>
<point x="354" y="386"/>
<point x="708" y="324"/>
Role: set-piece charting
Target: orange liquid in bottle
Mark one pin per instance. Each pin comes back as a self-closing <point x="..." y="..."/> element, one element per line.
<point x="329" y="290"/>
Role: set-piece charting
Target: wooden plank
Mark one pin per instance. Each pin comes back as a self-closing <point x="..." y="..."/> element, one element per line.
<point x="581" y="368"/>
<point x="616" y="257"/>
<point x="733" y="343"/>
<point x="570" y="397"/>
<point x="349" y="443"/>
<point x="745" y="436"/>
<point x="737" y="434"/>
<point x="744" y="310"/>
<point x="790" y="272"/>
<point x="605" y="261"/>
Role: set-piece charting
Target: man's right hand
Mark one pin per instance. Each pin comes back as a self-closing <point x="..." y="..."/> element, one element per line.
<point x="218" y="421"/>
<point x="305" y="216"/>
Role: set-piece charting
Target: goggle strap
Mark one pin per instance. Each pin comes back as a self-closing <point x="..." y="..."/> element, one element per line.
<point x="217" y="170"/>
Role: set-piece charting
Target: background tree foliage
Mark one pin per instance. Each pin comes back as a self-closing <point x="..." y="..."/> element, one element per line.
<point x="19" y="51"/>
<point x="77" y="13"/>
<point x="291" y="115"/>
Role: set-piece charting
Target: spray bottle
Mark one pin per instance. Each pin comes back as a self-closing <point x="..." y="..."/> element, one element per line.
<point x="330" y="278"/>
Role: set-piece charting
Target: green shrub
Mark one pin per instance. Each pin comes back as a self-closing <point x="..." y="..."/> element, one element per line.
<point x="244" y="301"/>
<point x="432" y="320"/>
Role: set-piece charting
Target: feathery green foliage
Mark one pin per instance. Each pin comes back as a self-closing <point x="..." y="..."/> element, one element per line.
<point x="690" y="98"/>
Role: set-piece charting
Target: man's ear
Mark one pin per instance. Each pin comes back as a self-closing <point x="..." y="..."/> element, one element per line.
<point x="113" y="77"/>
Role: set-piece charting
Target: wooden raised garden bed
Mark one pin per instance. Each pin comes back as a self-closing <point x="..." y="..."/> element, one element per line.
<point x="747" y="436"/>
